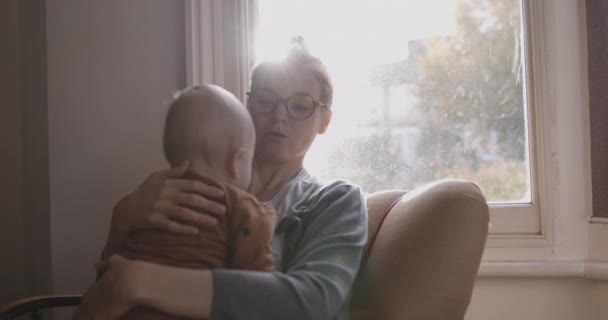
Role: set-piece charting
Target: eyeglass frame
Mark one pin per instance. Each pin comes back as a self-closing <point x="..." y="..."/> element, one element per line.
<point x="283" y="101"/>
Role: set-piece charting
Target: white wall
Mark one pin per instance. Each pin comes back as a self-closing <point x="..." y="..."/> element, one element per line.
<point x="538" y="299"/>
<point x="600" y="293"/>
<point x="112" y="67"/>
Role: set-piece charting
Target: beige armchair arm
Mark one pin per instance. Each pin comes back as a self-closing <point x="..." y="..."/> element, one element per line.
<point x="424" y="252"/>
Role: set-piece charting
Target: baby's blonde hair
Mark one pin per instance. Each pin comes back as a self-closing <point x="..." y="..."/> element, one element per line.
<point x="206" y="120"/>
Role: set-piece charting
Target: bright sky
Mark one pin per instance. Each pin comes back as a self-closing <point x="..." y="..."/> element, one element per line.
<point x="377" y="29"/>
<point x="351" y="38"/>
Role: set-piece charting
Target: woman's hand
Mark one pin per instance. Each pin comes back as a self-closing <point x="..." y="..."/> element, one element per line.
<point x="114" y="294"/>
<point x="167" y="201"/>
<point x="126" y="284"/>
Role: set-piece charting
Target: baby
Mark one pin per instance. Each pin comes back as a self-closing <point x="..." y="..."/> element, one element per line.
<point x="210" y="128"/>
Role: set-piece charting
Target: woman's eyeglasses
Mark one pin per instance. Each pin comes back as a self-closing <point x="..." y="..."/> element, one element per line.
<point x="299" y="106"/>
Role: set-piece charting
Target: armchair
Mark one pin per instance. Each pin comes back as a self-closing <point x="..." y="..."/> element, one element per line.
<point x="423" y="253"/>
<point x="420" y="262"/>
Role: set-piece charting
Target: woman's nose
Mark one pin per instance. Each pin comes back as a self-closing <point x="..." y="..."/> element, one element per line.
<point x="280" y="112"/>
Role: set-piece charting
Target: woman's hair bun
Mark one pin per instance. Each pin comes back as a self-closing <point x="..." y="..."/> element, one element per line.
<point x="298" y="47"/>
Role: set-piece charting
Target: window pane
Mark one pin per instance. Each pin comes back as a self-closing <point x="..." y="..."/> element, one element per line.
<point x="424" y="90"/>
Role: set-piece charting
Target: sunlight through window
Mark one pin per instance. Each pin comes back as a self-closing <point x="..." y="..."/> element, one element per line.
<point x="424" y="90"/>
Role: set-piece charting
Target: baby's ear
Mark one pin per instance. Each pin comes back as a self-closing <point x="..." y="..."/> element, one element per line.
<point x="234" y="163"/>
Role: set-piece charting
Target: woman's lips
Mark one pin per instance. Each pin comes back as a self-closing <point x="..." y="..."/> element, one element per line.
<point x="278" y="135"/>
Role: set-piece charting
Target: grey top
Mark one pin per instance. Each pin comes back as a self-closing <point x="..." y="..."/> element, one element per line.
<point x="317" y="247"/>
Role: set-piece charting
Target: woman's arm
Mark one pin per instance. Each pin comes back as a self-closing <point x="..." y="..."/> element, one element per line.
<point x="182" y="292"/>
<point x="129" y="283"/>
<point x="316" y="284"/>
<point x="319" y="275"/>
<point x="320" y="271"/>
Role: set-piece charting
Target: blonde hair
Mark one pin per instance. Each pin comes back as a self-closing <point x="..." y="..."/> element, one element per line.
<point x="299" y="56"/>
<point x="205" y="119"/>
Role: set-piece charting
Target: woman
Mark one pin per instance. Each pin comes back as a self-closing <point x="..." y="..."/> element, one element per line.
<point x="318" y="241"/>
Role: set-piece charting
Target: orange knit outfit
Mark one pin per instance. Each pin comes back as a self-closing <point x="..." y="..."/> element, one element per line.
<point x="240" y="240"/>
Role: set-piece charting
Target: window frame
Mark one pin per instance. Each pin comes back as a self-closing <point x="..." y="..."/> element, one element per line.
<point x="523" y="225"/>
<point x="517" y="231"/>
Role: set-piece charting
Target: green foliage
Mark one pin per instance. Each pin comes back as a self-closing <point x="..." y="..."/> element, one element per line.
<point x="470" y="97"/>
<point x="499" y="180"/>
<point x="375" y="162"/>
<point x="469" y="111"/>
<point x="471" y="84"/>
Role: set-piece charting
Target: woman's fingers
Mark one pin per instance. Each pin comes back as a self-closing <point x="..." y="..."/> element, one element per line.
<point x="195" y="186"/>
<point x="179" y="228"/>
<point x="168" y="201"/>
<point x="182" y="213"/>
<point x="198" y="203"/>
<point x="174" y="172"/>
<point x="162" y="222"/>
<point x="107" y="299"/>
<point x="82" y="312"/>
<point x="185" y="214"/>
<point x="176" y="216"/>
<point x="91" y="307"/>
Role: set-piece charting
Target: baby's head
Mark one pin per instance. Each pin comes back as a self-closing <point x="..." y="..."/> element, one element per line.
<point x="208" y="126"/>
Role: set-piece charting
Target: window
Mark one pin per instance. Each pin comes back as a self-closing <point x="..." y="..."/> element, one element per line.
<point x="552" y="224"/>
<point x="420" y="93"/>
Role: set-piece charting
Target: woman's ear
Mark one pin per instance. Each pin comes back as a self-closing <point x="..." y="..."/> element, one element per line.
<point x="234" y="163"/>
<point x="326" y="121"/>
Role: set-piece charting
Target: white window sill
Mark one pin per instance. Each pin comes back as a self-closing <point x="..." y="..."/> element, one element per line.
<point x="590" y="270"/>
<point x="598" y="220"/>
